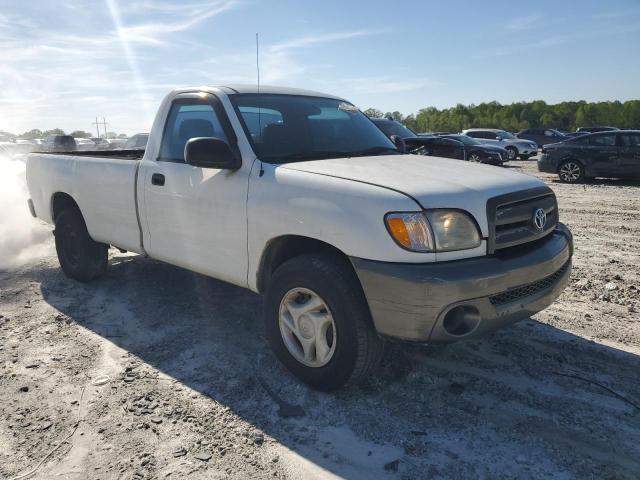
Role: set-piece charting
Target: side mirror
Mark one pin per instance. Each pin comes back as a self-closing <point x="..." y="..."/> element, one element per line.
<point x="399" y="142"/>
<point x="499" y="138"/>
<point x="210" y="152"/>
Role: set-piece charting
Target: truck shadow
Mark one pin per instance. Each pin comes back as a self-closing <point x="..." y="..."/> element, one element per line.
<point x="520" y="402"/>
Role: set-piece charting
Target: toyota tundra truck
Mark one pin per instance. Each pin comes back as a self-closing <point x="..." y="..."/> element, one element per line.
<point x="298" y="196"/>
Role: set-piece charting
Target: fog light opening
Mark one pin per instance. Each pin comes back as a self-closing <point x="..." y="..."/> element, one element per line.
<point x="461" y="320"/>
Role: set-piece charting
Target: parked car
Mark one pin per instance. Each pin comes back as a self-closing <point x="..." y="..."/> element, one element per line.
<point x="478" y="152"/>
<point x="59" y="143"/>
<point x="513" y="145"/>
<point x="115" y="143"/>
<point x="542" y="136"/>
<point x="137" y="141"/>
<point x="85" y="144"/>
<point x="596" y="129"/>
<point x="101" y="143"/>
<point x="613" y="154"/>
<point x="437" y="147"/>
<point x="575" y="134"/>
<point x="420" y="144"/>
<point x="348" y="240"/>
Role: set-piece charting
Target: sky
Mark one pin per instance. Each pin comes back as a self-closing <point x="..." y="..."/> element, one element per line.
<point x="64" y="62"/>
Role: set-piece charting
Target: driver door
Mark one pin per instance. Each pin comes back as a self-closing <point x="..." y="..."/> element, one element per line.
<point x="196" y="217"/>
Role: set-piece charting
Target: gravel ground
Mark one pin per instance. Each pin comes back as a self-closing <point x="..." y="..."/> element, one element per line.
<point x="156" y="372"/>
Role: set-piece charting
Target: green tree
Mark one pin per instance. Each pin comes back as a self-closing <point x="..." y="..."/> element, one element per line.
<point x="80" y="134"/>
<point x="31" y="134"/>
<point x="373" y="113"/>
<point x="55" y="131"/>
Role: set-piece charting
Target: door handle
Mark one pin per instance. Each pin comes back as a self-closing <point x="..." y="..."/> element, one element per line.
<point x="157" y="179"/>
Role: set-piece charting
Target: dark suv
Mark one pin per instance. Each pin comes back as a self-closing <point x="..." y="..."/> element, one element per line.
<point x="596" y="129"/>
<point x="59" y="143"/>
<point x="607" y="154"/>
<point x="542" y="136"/>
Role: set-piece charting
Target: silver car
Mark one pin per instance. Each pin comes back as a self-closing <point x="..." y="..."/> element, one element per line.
<point x="514" y="146"/>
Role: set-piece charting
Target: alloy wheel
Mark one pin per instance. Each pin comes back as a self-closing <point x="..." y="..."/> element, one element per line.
<point x="307" y="327"/>
<point x="569" y="172"/>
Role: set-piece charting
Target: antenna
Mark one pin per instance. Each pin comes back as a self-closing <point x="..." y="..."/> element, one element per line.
<point x="258" y="60"/>
<point x="259" y="119"/>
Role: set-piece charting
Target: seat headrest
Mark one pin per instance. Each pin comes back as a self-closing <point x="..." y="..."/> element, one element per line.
<point x="196" y="127"/>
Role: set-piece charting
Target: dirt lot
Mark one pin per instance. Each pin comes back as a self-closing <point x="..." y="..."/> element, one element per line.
<point x="155" y="372"/>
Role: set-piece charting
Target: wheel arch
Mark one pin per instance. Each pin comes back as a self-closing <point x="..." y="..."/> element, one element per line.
<point x="285" y="247"/>
<point x="61" y="201"/>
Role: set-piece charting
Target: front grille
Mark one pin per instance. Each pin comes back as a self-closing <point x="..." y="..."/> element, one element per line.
<point x="517" y="293"/>
<point x="511" y="217"/>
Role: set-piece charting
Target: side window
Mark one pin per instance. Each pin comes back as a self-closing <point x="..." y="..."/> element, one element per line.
<point x="475" y="134"/>
<point x="602" y="140"/>
<point x="187" y="121"/>
<point x="630" y="139"/>
<point x="549" y="133"/>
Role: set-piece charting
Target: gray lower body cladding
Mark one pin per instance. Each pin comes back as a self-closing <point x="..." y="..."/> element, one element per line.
<point x="448" y="301"/>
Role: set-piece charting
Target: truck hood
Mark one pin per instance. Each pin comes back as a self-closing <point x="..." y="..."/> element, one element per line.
<point x="432" y="182"/>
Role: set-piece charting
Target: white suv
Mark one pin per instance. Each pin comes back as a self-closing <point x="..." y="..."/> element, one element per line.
<point x="515" y="147"/>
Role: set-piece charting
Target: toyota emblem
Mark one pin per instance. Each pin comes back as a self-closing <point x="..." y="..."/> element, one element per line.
<point x="539" y="218"/>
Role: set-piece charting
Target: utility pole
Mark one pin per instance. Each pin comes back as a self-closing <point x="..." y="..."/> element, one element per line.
<point x="97" y="127"/>
<point x="104" y="124"/>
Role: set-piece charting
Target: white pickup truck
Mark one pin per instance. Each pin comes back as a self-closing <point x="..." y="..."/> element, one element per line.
<point x="298" y="196"/>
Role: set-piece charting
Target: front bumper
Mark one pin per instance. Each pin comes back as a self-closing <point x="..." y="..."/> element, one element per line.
<point x="412" y="301"/>
<point x="527" y="150"/>
<point x="546" y="164"/>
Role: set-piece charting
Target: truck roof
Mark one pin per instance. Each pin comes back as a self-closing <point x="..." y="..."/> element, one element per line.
<point x="234" y="88"/>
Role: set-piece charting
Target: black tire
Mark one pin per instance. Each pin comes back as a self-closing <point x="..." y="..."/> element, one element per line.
<point x="512" y="153"/>
<point x="571" y="171"/>
<point x="475" y="157"/>
<point x="80" y="257"/>
<point x="358" y="348"/>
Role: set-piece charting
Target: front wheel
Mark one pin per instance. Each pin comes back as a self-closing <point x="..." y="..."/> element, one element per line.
<point x="474" y="157"/>
<point x="571" y="171"/>
<point x="318" y="323"/>
<point x="512" y="153"/>
<point x="80" y="257"/>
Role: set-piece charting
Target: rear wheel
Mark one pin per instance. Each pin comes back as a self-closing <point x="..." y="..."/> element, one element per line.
<point x="512" y="153"/>
<point x="318" y="323"/>
<point x="571" y="171"/>
<point x="80" y="257"/>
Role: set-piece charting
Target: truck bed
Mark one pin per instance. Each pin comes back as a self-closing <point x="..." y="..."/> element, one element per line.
<point x="112" y="154"/>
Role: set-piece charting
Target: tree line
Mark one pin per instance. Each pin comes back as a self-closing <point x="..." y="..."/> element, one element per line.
<point x="36" y="133"/>
<point x="566" y="116"/>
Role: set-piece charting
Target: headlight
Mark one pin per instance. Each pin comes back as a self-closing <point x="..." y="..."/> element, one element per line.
<point x="453" y="230"/>
<point x="433" y="230"/>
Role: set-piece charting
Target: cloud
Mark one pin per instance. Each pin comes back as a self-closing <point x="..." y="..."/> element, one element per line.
<point x="383" y="84"/>
<point x="522" y="47"/>
<point x="179" y="17"/>
<point x="523" y="23"/>
<point x="307" y="41"/>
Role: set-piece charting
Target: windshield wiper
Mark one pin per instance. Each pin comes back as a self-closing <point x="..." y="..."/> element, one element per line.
<point x="373" y="151"/>
<point x="292" y="157"/>
<point x="301" y="156"/>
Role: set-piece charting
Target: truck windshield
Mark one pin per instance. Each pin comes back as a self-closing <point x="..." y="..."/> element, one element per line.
<point x="289" y="128"/>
